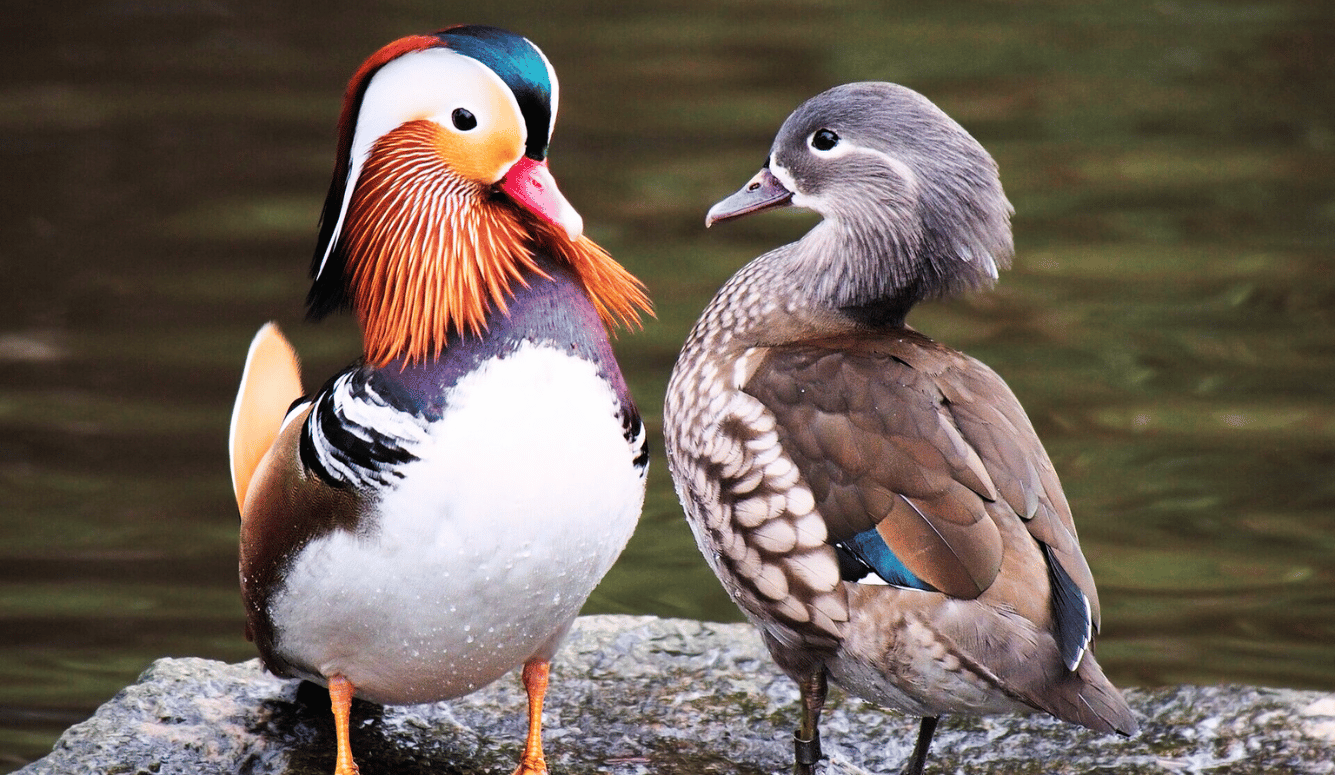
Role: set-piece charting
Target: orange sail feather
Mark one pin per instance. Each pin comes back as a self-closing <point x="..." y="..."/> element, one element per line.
<point x="270" y="383"/>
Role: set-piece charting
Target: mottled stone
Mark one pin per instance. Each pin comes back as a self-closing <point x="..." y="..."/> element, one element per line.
<point x="635" y="695"/>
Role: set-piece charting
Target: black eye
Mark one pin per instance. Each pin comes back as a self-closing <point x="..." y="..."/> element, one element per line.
<point x="824" y="140"/>
<point x="463" y="120"/>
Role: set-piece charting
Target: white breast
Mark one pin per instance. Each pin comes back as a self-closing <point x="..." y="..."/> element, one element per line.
<point x="522" y="497"/>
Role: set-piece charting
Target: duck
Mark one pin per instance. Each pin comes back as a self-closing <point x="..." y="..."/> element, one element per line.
<point x="435" y="515"/>
<point x="876" y="503"/>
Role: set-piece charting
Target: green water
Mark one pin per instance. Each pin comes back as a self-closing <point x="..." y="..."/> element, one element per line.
<point x="1169" y="322"/>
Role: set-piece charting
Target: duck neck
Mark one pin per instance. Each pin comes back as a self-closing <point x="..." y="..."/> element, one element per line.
<point x="869" y="276"/>
<point x="874" y="272"/>
<point x="549" y="308"/>
<point x="441" y="273"/>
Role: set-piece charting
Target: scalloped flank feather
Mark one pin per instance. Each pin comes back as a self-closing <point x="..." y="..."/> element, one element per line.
<point x="426" y="256"/>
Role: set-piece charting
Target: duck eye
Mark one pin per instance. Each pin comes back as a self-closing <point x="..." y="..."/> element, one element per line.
<point x="824" y="140"/>
<point x="463" y="119"/>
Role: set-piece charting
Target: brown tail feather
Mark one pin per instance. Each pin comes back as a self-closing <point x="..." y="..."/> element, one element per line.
<point x="1025" y="662"/>
<point x="1086" y="697"/>
<point x="270" y="383"/>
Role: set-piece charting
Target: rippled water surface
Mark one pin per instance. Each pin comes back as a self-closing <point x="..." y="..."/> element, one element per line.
<point x="1168" y="322"/>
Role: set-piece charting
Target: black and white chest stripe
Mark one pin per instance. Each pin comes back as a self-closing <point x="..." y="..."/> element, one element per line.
<point x="356" y="437"/>
<point x="637" y="437"/>
<point x="368" y="423"/>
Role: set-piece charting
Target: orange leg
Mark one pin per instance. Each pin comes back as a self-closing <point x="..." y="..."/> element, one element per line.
<point x="340" y="701"/>
<point x="535" y="683"/>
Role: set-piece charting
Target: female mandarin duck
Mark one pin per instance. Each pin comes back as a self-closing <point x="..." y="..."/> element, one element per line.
<point x="875" y="502"/>
<point x="437" y="513"/>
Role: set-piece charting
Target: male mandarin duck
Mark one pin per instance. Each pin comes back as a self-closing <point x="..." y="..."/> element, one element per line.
<point x="878" y="504"/>
<point x="436" y="514"/>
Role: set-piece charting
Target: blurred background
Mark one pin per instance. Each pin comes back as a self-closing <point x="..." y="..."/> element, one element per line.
<point x="1169" y="323"/>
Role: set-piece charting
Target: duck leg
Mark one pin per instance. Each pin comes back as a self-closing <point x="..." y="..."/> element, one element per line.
<point x="535" y="683"/>
<point x="919" y="758"/>
<point x="340" y="701"/>
<point x="806" y="740"/>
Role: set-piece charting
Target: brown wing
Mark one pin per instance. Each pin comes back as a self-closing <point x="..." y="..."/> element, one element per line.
<point x="990" y="416"/>
<point x="915" y="439"/>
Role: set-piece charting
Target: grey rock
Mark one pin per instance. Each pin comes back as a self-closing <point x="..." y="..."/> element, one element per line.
<point x="633" y="695"/>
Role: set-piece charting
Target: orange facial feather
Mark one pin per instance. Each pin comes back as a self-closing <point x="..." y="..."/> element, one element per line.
<point x="618" y="295"/>
<point x="428" y="253"/>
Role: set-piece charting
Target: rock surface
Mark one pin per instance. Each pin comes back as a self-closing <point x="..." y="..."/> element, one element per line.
<point x="637" y="695"/>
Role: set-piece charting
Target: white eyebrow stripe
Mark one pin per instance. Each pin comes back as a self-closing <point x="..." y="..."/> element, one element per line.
<point x="395" y="94"/>
<point x="846" y="147"/>
<point x="904" y="171"/>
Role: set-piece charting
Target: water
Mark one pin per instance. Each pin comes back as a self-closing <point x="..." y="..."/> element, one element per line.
<point x="1168" y="323"/>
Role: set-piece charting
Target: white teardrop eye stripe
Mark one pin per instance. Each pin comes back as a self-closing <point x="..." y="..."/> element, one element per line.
<point x="843" y="148"/>
<point x="427" y="84"/>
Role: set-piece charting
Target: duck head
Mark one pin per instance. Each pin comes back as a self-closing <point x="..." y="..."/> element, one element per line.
<point x="912" y="205"/>
<point x="441" y="194"/>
